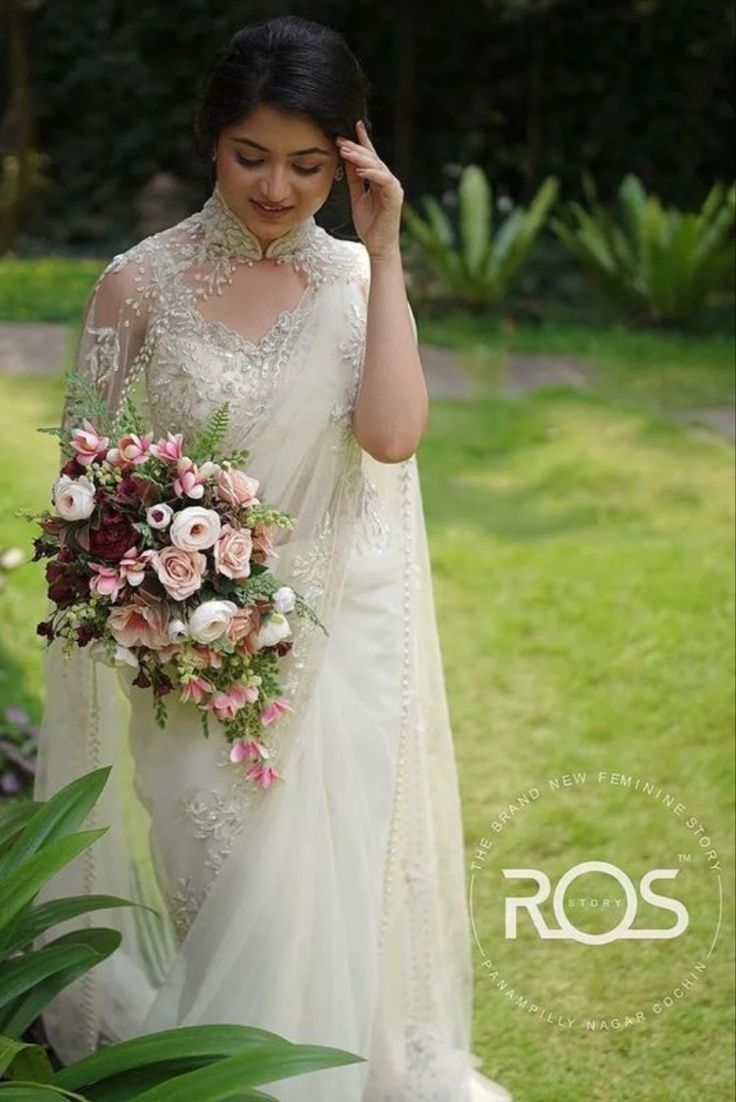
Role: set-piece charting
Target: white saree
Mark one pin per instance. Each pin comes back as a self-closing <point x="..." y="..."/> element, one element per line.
<point x="330" y="909"/>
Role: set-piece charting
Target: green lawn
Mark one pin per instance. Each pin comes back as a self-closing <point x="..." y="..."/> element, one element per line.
<point x="582" y="550"/>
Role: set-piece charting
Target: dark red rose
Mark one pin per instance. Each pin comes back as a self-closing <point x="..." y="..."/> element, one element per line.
<point x="45" y="628"/>
<point x="141" y="680"/>
<point x="113" y="535"/>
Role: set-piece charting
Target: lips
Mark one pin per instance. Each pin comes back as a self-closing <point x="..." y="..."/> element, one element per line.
<point x="269" y="210"/>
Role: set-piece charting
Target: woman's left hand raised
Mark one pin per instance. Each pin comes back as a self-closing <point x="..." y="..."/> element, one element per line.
<point x="377" y="210"/>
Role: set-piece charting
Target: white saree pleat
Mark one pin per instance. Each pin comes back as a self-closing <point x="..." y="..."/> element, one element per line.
<point x="332" y="908"/>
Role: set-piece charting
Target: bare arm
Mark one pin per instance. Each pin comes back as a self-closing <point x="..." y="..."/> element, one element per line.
<point x="391" y="409"/>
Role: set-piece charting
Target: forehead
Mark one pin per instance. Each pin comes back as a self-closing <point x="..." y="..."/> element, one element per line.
<point x="278" y="130"/>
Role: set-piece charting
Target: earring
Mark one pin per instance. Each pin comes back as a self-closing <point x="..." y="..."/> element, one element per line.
<point x="339" y="172"/>
<point x="213" y="155"/>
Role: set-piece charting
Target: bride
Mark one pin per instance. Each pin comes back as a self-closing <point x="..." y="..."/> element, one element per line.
<point x="329" y="906"/>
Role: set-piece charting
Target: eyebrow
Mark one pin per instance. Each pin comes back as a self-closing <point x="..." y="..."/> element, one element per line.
<point x="296" y="152"/>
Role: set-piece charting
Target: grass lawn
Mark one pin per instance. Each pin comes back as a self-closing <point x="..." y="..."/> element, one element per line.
<point x="582" y="550"/>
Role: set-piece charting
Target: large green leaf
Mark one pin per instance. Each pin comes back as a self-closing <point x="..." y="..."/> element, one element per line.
<point x="30" y="981"/>
<point x="250" y="1069"/>
<point x="27" y="878"/>
<point x="30" y="1059"/>
<point x="40" y="918"/>
<point x="204" y="1041"/>
<point x="14" y="817"/>
<point x="62" y="814"/>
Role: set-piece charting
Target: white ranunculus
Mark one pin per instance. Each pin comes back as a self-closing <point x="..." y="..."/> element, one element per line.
<point x="274" y="628"/>
<point x="122" y="656"/>
<point x="74" y="498"/>
<point x="195" y="528"/>
<point x="177" y="631"/>
<point x="210" y="619"/>
<point x="159" y="516"/>
<point x="284" y="599"/>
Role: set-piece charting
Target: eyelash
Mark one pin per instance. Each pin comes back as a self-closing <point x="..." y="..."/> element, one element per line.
<point x="252" y="164"/>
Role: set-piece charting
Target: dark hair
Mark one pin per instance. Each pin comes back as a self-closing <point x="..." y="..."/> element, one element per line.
<point x="290" y="63"/>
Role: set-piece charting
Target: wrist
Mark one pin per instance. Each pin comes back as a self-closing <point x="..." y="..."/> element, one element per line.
<point x="388" y="256"/>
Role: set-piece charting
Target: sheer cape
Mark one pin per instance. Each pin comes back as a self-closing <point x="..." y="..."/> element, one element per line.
<point x="332" y="908"/>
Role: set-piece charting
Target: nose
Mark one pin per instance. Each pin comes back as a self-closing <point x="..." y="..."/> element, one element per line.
<point x="275" y="187"/>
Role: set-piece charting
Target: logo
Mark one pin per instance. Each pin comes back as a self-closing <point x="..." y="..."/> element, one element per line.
<point x="596" y="901"/>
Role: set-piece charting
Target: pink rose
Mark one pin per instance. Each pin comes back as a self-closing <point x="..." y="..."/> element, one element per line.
<point x="233" y="551"/>
<point x="87" y="443"/>
<point x="180" y="572"/>
<point x="138" y="624"/>
<point x="237" y="488"/>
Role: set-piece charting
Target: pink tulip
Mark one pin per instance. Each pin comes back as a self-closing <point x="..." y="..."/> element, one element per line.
<point x="274" y="709"/>
<point x="247" y="750"/>
<point x="207" y="656"/>
<point x="263" y="774"/>
<point x="131" y="449"/>
<point x="169" y="450"/>
<point x="107" y="582"/>
<point x="190" y="482"/>
<point x="196" y="688"/>
<point x="133" y="565"/>
<point x="87" y="443"/>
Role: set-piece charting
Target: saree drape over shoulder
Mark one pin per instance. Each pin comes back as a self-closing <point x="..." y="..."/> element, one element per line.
<point x="331" y="908"/>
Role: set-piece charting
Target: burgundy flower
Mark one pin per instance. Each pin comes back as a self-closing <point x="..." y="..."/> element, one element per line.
<point x="45" y="629"/>
<point x="73" y="468"/>
<point x="87" y="632"/>
<point x="132" y="488"/>
<point x="113" y="535"/>
<point x="67" y="588"/>
<point x="141" y="680"/>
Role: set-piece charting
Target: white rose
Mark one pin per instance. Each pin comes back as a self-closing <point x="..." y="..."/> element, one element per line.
<point x="74" y="497"/>
<point x="195" y="528"/>
<point x="284" y="599"/>
<point x="274" y="628"/>
<point x="177" y="631"/>
<point x="159" y="516"/>
<point x="122" y="656"/>
<point x="210" y="619"/>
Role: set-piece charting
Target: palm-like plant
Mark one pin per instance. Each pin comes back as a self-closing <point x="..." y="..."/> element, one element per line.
<point x="658" y="264"/>
<point x="197" y="1063"/>
<point x="477" y="263"/>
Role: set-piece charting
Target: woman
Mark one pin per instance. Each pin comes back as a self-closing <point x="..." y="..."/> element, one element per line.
<point x="330" y="906"/>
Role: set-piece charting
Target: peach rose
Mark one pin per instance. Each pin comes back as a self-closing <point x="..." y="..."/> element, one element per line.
<point x="232" y="552"/>
<point x="237" y="488"/>
<point x="263" y="547"/>
<point x="180" y="572"/>
<point x="244" y="621"/>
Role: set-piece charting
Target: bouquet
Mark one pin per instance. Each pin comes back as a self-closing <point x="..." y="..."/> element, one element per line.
<point x="160" y="561"/>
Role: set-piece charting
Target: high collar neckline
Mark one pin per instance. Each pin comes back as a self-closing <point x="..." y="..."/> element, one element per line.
<point x="226" y="229"/>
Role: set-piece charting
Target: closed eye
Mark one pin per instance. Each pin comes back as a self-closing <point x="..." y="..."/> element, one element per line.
<point x="254" y="164"/>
